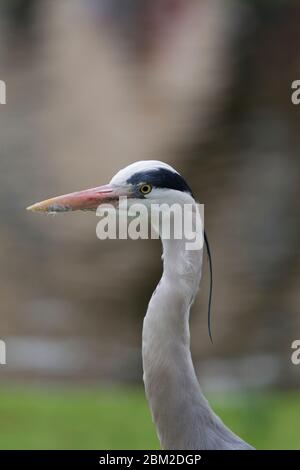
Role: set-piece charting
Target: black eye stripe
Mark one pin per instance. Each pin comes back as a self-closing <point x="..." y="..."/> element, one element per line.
<point x="161" y="178"/>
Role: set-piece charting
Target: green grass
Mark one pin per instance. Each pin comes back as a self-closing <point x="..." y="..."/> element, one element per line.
<point x="119" y="419"/>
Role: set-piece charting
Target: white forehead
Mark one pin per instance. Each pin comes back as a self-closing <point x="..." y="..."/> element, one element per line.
<point x="144" y="165"/>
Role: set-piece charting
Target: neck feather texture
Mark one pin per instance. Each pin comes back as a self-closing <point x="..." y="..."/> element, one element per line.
<point x="182" y="415"/>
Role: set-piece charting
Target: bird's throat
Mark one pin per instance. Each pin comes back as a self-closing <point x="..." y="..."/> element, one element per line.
<point x="171" y="384"/>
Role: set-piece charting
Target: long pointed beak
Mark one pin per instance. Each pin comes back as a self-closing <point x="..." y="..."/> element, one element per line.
<point x="88" y="200"/>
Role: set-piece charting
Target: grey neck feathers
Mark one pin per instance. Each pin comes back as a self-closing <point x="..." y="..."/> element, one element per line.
<point x="182" y="415"/>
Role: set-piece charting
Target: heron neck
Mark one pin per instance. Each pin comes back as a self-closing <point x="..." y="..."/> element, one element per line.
<point x="171" y="384"/>
<point x="183" y="417"/>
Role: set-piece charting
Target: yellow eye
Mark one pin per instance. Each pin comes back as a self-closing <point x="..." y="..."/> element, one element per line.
<point x="146" y="188"/>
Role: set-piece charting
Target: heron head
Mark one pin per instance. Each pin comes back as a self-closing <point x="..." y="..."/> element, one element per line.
<point x="145" y="182"/>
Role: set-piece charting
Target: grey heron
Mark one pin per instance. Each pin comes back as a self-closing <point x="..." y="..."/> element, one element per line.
<point x="183" y="417"/>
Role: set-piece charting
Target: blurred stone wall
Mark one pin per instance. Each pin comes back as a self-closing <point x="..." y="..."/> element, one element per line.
<point x="94" y="86"/>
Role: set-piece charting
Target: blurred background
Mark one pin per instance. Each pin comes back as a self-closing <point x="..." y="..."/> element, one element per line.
<point x="93" y="85"/>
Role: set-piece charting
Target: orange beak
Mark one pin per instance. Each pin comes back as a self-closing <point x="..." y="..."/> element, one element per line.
<point x="88" y="200"/>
